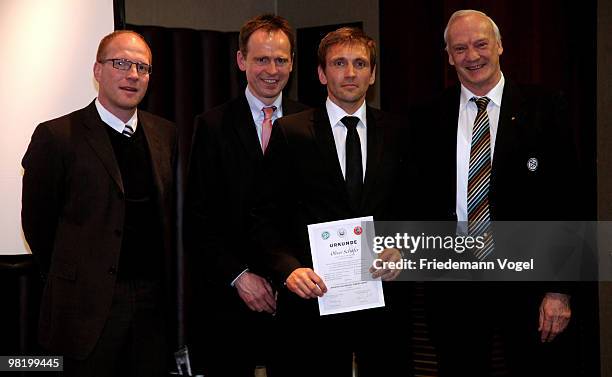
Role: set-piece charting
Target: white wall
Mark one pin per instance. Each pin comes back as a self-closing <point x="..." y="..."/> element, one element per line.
<point x="47" y="53"/>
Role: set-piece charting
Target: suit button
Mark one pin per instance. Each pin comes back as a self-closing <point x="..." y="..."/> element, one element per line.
<point x="118" y="232"/>
<point x="112" y="270"/>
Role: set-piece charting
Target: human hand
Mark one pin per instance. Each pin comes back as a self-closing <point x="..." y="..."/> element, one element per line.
<point x="555" y="314"/>
<point x="305" y="283"/>
<point x="387" y="274"/>
<point x="256" y="292"/>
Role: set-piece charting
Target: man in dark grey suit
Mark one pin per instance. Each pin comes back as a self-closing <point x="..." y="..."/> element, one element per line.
<point x="98" y="205"/>
<point x="230" y="334"/>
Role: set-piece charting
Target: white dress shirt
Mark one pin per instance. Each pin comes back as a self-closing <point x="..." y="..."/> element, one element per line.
<point x="335" y="114"/>
<point x="113" y="122"/>
<point x="467" y="115"/>
<point x="256" y="107"/>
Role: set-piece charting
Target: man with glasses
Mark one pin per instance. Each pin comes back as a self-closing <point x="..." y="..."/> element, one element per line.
<point x="228" y="148"/>
<point x="97" y="214"/>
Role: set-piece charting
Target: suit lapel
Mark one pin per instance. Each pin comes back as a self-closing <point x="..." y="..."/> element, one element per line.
<point x="242" y="121"/>
<point x="99" y="141"/>
<point x="448" y="147"/>
<point x="375" y="146"/>
<point x="324" y="138"/>
<point x="509" y="116"/>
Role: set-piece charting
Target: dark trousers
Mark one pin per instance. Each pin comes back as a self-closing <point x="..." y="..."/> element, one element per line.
<point x="464" y="316"/>
<point x="226" y="338"/>
<point x="133" y="341"/>
<point x="311" y="345"/>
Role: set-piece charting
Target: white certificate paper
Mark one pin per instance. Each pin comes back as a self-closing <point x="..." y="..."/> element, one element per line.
<point x="339" y="259"/>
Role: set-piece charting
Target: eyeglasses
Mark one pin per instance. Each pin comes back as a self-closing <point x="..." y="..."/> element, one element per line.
<point x="126" y="65"/>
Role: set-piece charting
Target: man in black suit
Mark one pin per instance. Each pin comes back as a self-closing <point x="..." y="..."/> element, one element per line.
<point x="336" y="162"/>
<point x="228" y="149"/>
<point x="98" y="207"/>
<point x="520" y="174"/>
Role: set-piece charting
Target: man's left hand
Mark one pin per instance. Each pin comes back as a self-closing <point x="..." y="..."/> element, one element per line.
<point x="256" y="292"/>
<point x="555" y="314"/>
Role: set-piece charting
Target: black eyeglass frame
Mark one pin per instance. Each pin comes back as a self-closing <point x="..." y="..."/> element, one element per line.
<point x="141" y="68"/>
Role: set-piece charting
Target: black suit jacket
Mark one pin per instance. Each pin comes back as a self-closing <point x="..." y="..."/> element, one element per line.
<point x="73" y="214"/>
<point x="303" y="184"/>
<point x="225" y="160"/>
<point x="532" y="124"/>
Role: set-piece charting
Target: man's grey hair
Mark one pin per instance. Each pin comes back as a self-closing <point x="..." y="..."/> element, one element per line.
<point x="467" y="12"/>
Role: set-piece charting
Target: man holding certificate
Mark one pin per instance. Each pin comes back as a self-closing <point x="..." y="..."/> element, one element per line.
<point x="336" y="162"/>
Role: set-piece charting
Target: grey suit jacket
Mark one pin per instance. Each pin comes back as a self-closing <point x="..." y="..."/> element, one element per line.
<point x="73" y="213"/>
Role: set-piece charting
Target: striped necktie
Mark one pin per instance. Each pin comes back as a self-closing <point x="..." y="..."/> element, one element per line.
<point x="128" y="131"/>
<point x="479" y="178"/>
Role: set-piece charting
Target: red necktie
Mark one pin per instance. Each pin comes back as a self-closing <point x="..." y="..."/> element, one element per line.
<point x="266" y="128"/>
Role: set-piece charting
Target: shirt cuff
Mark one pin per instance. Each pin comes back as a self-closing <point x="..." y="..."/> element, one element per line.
<point x="238" y="277"/>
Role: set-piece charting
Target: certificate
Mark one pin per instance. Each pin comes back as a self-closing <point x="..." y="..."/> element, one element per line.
<point x="339" y="259"/>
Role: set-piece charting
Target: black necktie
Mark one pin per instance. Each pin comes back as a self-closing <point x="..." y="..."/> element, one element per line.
<point x="354" y="169"/>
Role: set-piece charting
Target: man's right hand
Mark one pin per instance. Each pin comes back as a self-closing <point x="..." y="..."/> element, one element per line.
<point x="256" y="292"/>
<point x="305" y="283"/>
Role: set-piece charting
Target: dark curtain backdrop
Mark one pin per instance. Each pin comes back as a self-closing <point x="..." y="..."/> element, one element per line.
<point x="193" y="71"/>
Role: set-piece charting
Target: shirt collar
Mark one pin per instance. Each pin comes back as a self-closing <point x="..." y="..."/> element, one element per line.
<point x="256" y="105"/>
<point x="112" y="121"/>
<point x="336" y="113"/>
<point x="495" y="94"/>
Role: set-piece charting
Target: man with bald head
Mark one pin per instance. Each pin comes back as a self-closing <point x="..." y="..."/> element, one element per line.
<point x="98" y="216"/>
<point x="487" y="130"/>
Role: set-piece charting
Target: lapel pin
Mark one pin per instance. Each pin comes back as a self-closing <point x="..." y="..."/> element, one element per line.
<point x="513" y="118"/>
<point x="532" y="164"/>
